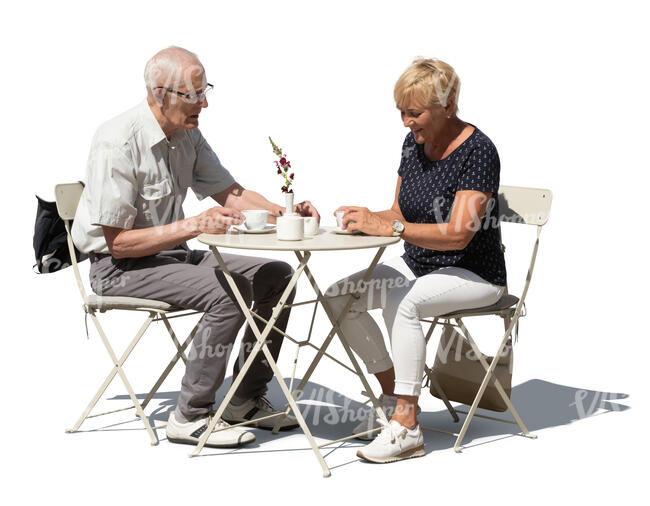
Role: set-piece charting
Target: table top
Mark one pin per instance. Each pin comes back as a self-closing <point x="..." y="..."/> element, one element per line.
<point x="326" y="240"/>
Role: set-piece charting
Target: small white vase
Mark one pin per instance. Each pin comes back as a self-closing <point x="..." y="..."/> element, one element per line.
<point x="288" y="202"/>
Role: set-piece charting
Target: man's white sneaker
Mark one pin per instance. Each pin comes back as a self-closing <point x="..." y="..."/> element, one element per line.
<point x="190" y="432"/>
<point x="394" y="442"/>
<point x="371" y="421"/>
<point x="252" y="409"/>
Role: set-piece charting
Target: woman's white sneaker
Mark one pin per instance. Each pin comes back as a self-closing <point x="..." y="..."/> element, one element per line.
<point x="371" y="421"/>
<point x="394" y="442"/>
<point x="190" y="432"/>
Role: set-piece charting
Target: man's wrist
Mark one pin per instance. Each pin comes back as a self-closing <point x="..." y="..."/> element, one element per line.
<point x="192" y="226"/>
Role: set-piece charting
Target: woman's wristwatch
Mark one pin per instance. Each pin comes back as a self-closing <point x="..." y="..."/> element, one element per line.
<point x="398" y="228"/>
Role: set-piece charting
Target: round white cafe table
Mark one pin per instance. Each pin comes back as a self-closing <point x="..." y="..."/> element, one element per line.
<point x="325" y="240"/>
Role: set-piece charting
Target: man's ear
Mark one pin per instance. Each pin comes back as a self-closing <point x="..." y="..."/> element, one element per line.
<point x="158" y="95"/>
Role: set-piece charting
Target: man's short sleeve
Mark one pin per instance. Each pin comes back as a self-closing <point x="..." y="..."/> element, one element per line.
<point x="209" y="176"/>
<point x="112" y="187"/>
<point x="481" y="170"/>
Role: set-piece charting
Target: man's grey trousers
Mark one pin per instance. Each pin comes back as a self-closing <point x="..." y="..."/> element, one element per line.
<point x="192" y="279"/>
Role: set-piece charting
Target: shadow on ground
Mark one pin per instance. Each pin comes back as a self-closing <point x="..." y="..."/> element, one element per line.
<point x="331" y="415"/>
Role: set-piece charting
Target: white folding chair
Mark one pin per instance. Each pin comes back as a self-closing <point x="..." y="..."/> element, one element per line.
<point x="528" y="206"/>
<point x="67" y="198"/>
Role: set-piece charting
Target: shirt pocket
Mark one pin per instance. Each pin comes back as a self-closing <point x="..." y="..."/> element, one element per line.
<point x="155" y="191"/>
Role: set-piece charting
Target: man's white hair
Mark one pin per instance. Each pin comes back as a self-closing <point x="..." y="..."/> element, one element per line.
<point x="166" y="67"/>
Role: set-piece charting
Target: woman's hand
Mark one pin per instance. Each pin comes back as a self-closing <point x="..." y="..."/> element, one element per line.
<point x="363" y="220"/>
<point x="306" y="208"/>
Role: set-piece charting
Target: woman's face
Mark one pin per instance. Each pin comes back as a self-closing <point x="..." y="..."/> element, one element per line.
<point x="424" y="122"/>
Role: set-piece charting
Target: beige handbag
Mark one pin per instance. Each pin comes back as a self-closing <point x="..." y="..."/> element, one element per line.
<point x="459" y="372"/>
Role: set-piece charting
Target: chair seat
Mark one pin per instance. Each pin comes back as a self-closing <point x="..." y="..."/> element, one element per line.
<point x="504" y="303"/>
<point x="133" y="303"/>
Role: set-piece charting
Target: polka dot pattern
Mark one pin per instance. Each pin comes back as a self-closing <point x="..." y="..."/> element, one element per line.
<point x="427" y="196"/>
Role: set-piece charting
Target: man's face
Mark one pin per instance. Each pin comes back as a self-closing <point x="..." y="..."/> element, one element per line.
<point x="178" y="110"/>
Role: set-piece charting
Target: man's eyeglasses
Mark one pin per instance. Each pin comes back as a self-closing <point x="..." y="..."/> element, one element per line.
<point x="191" y="97"/>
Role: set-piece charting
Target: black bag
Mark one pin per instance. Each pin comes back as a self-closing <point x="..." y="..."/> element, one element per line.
<point x="50" y="241"/>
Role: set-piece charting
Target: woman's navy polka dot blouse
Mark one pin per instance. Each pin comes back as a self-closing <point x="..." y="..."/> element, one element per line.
<point x="427" y="195"/>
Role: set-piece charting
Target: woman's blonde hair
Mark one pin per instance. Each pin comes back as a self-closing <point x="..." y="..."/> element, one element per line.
<point x="429" y="81"/>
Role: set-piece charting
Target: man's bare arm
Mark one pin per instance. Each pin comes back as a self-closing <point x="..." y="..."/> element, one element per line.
<point x="135" y="243"/>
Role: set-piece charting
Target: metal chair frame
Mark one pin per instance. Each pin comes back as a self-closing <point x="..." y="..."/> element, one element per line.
<point x="528" y="206"/>
<point x="67" y="198"/>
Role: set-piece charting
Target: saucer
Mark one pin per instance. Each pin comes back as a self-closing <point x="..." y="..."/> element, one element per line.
<point x="345" y="232"/>
<point x="265" y="230"/>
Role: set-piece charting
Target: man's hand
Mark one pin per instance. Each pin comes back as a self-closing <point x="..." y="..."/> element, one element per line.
<point x="306" y="208"/>
<point x="363" y="220"/>
<point x="216" y="220"/>
<point x="237" y="197"/>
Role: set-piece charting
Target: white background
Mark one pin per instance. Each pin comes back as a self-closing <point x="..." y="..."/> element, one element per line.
<point x="561" y="89"/>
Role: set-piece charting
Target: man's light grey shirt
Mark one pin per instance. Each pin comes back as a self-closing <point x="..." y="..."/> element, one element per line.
<point x="135" y="178"/>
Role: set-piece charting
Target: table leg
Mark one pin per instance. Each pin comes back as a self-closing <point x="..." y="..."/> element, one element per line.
<point x="261" y="345"/>
<point x="336" y="329"/>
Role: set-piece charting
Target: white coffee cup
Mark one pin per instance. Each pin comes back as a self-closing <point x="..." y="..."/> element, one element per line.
<point x="290" y="228"/>
<point x="339" y="219"/>
<point x="311" y="226"/>
<point x="256" y="219"/>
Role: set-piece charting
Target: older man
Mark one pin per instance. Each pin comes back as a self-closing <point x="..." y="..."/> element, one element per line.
<point x="130" y="220"/>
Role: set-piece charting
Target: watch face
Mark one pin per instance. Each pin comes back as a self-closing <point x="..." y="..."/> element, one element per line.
<point x="398" y="226"/>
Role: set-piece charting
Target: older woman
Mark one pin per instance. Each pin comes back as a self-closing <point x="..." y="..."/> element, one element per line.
<point x="445" y="209"/>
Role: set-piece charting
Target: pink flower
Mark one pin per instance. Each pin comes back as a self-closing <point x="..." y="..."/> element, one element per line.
<point x="279" y="171"/>
<point x="291" y="176"/>
<point x="283" y="161"/>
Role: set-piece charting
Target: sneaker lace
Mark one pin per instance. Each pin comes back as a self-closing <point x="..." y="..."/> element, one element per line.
<point x="391" y="431"/>
<point x="221" y="423"/>
<point x="264" y="404"/>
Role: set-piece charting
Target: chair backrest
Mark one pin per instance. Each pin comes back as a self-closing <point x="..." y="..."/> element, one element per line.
<point x="518" y="204"/>
<point x="67" y="199"/>
<point x="530" y="206"/>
